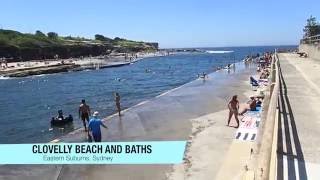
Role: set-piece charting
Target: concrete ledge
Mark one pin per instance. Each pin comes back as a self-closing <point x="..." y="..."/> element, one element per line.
<point x="249" y="175"/>
<point x="238" y="156"/>
<point x="313" y="50"/>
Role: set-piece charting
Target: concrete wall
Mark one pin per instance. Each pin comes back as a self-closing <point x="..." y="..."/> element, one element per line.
<point x="313" y="50"/>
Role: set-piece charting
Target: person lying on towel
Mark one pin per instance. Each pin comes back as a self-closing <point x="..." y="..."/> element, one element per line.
<point x="251" y="105"/>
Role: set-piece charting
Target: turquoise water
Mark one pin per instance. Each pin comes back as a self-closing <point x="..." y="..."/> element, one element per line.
<point x="27" y="104"/>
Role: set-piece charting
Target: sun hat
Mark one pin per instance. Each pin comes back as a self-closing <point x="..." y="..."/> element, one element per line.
<point x="95" y="114"/>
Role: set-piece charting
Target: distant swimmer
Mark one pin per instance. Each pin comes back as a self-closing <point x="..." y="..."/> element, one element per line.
<point x="117" y="101"/>
<point x="84" y="111"/>
<point x="233" y="106"/>
<point x="117" y="79"/>
<point x="148" y="70"/>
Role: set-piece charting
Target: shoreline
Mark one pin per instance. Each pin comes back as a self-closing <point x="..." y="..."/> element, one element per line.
<point x="111" y="114"/>
<point x="164" y="117"/>
<point x="40" y="67"/>
<point x="203" y="158"/>
<point x="115" y="115"/>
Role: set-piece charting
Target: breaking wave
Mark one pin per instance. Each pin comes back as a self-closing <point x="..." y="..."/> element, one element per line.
<point x="219" y="52"/>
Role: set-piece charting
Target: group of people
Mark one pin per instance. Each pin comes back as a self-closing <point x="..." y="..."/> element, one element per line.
<point x="265" y="60"/>
<point x="94" y="123"/>
<point x="234" y="107"/>
<point x="263" y="72"/>
<point x="255" y="101"/>
<point x="132" y="56"/>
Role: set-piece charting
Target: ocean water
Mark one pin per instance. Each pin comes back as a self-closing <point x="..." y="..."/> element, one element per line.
<point x="27" y="104"/>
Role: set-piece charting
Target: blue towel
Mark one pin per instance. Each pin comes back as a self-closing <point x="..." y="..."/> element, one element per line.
<point x="253" y="82"/>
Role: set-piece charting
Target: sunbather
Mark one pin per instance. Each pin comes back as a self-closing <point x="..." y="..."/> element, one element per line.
<point x="251" y="105"/>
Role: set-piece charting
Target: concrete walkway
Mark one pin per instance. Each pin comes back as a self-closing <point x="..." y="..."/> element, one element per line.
<point x="298" y="152"/>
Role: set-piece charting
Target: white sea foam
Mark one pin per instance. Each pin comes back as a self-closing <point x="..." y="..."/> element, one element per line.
<point x="40" y="75"/>
<point x="3" y="78"/>
<point x="219" y="52"/>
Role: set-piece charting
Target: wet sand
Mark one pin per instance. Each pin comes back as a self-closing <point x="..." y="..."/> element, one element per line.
<point x="166" y="117"/>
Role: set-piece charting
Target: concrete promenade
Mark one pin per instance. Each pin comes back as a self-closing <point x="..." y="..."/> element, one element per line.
<point x="298" y="150"/>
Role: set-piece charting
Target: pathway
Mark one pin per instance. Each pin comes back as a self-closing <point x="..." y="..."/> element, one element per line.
<point x="298" y="152"/>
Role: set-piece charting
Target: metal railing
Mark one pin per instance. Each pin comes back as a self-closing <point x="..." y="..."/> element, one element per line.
<point x="311" y="40"/>
<point x="266" y="160"/>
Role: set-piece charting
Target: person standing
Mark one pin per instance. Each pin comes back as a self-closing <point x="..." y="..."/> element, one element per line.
<point x="117" y="101"/>
<point x="94" y="127"/>
<point x="233" y="106"/>
<point x="84" y="111"/>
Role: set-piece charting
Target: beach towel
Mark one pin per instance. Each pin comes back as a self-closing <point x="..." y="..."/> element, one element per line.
<point x="253" y="82"/>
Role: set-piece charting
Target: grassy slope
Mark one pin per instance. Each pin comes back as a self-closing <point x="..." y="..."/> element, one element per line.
<point x="20" y="40"/>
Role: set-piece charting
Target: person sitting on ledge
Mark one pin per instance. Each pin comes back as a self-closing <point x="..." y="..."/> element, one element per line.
<point x="265" y="74"/>
<point x="60" y="115"/>
<point x="259" y="102"/>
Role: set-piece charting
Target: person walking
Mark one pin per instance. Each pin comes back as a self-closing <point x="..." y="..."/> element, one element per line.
<point x="233" y="106"/>
<point x="84" y="111"/>
<point x="94" y="127"/>
<point x="117" y="101"/>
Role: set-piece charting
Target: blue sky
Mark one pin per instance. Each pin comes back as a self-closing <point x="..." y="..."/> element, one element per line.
<point x="172" y="23"/>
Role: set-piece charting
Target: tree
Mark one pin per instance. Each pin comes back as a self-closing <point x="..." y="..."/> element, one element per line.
<point x="39" y="33"/>
<point x="99" y="37"/>
<point x="52" y="35"/>
<point x="102" y="38"/>
<point x="312" y="27"/>
<point x="117" y="39"/>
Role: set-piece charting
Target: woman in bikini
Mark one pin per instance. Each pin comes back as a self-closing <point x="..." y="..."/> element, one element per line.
<point x="233" y="106"/>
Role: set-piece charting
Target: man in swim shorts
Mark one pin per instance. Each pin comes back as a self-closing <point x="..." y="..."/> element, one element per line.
<point x="84" y="111"/>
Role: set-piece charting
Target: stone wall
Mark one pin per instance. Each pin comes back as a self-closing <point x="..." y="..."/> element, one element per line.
<point x="313" y="50"/>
